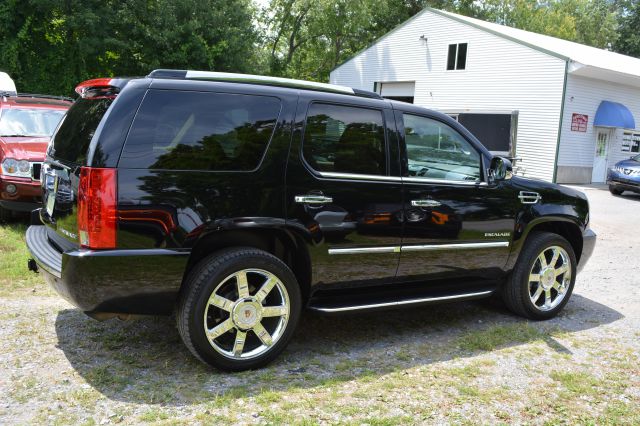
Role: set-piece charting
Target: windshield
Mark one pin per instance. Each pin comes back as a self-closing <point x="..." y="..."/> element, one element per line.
<point x="29" y="122"/>
<point x="636" y="158"/>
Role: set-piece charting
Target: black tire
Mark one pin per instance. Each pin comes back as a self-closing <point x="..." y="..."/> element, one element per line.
<point x="615" y="191"/>
<point x="5" y="215"/>
<point x="213" y="272"/>
<point x="516" y="291"/>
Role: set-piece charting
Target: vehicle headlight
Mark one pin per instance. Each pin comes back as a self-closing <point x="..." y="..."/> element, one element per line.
<point x="18" y="168"/>
<point x="23" y="166"/>
<point x="10" y="166"/>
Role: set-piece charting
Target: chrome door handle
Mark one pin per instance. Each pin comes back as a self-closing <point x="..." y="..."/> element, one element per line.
<point x="313" y="199"/>
<point x="425" y="203"/>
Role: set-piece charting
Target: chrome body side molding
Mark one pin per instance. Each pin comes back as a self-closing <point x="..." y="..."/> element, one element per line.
<point x="461" y="246"/>
<point x="423" y="247"/>
<point x="400" y="302"/>
<point x="363" y="250"/>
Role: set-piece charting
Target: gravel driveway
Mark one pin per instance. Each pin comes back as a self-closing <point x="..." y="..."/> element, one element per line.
<point x="457" y="363"/>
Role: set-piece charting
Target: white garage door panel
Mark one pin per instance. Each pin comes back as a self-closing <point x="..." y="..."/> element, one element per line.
<point x="405" y="88"/>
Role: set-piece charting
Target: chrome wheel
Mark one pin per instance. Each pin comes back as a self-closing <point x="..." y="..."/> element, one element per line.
<point x="550" y="278"/>
<point x="246" y="314"/>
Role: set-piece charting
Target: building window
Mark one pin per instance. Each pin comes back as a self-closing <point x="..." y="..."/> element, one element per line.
<point x="457" y="58"/>
<point x="631" y="142"/>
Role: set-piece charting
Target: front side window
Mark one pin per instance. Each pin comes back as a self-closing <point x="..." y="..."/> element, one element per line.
<point x="177" y="130"/>
<point x="36" y="122"/>
<point x="436" y="151"/>
<point x="344" y="139"/>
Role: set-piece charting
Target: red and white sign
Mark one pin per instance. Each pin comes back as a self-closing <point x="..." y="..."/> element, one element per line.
<point x="579" y="122"/>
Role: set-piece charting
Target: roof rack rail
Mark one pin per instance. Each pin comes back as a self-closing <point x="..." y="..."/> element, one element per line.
<point x="36" y="95"/>
<point x="262" y="80"/>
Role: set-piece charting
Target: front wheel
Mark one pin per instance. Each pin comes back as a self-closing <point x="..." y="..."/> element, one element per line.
<point x="239" y="309"/>
<point x="542" y="281"/>
<point x="5" y="215"/>
<point x="614" y="190"/>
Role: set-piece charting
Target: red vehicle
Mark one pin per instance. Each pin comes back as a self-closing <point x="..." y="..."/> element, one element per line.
<point x="26" y="125"/>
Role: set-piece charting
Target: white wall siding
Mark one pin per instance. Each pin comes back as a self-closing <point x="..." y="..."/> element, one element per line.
<point x="583" y="96"/>
<point x="500" y="76"/>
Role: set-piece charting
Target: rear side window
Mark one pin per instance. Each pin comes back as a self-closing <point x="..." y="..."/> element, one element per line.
<point x="344" y="139"/>
<point x="72" y="139"/>
<point x="177" y="130"/>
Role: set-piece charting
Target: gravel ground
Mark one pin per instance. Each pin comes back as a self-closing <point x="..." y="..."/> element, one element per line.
<point x="451" y="364"/>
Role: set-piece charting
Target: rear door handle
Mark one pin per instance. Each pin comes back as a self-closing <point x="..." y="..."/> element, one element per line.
<point x="313" y="199"/>
<point x="425" y="203"/>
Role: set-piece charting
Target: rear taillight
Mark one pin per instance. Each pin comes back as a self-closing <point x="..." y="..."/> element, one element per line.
<point x="97" y="208"/>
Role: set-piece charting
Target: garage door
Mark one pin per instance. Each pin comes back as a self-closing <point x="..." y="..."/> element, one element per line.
<point x="398" y="90"/>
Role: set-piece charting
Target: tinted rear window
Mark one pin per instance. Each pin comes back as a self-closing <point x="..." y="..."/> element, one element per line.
<point x="72" y="139"/>
<point x="200" y="131"/>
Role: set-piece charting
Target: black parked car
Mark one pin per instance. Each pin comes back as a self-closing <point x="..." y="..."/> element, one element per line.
<point x="236" y="201"/>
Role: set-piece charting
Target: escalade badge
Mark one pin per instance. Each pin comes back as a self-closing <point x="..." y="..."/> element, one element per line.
<point x="497" y="234"/>
<point x="68" y="234"/>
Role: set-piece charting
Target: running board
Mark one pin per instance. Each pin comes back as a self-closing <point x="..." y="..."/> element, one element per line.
<point x="399" y="303"/>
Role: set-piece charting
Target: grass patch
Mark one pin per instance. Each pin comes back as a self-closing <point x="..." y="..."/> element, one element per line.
<point x="577" y="383"/>
<point x="499" y="336"/>
<point x="154" y="415"/>
<point x="16" y="278"/>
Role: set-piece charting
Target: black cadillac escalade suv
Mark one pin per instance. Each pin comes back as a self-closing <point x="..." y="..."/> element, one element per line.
<point x="236" y="201"/>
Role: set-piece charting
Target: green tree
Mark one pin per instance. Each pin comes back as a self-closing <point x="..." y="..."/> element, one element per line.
<point x="628" y="42"/>
<point x="49" y="46"/>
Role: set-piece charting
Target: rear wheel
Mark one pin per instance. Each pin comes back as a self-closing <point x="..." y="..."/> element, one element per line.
<point x="614" y="190"/>
<point x="239" y="309"/>
<point x="543" y="278"/>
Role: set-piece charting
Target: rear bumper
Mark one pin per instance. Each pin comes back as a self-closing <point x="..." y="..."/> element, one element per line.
<point x="110" y="281"/>
<point x="588" y="245"/>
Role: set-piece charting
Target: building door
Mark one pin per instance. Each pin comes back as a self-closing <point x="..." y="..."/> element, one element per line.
<point x="599" y="173"/>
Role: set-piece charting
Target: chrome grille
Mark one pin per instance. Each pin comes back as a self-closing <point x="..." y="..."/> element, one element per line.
<point x="627" y="172"/>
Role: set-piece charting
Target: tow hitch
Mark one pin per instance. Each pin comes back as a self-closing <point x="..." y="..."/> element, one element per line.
<point x="32" y="265"/>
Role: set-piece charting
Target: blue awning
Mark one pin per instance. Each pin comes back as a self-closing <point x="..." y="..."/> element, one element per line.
<point x="614" y="114"/>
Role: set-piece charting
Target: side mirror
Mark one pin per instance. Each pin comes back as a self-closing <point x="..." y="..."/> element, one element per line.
<point x="500" y="169"/>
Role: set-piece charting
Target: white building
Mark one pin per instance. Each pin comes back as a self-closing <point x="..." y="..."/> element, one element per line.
<point x="564" y="109"/>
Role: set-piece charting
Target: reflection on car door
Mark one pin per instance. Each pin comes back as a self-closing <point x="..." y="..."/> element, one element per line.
<point x="340" y="194"/>
<point x="456" y="224"/>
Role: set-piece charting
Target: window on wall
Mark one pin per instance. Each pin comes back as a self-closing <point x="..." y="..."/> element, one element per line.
<point x="457" y="57"/>
<point x="631" y="142"/>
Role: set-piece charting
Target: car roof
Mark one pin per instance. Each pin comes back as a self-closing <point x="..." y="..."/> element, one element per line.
<point x="260" y="80"/>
